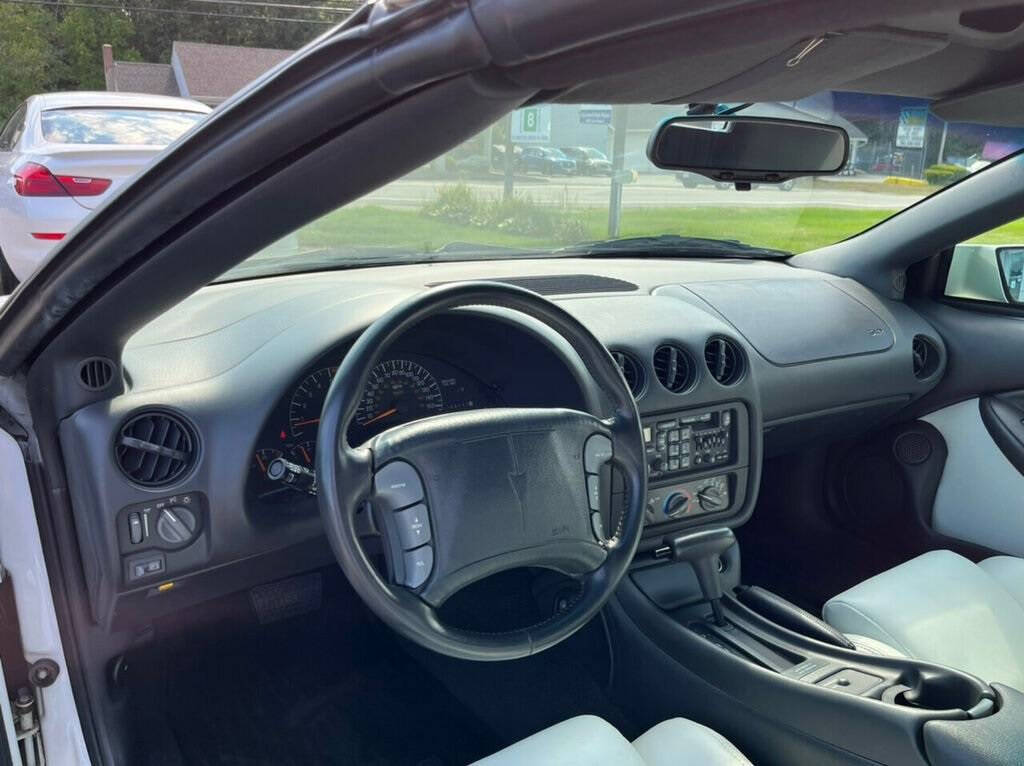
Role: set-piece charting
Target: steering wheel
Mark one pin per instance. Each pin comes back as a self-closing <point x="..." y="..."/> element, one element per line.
<point x="460" y="496"/>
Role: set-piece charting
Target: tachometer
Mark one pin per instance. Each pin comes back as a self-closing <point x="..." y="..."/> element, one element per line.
<point x="398" y="391"/>
<point x="307" y="402"/>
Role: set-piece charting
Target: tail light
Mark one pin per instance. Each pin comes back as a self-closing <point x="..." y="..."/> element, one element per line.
<point x="35" y="180"/>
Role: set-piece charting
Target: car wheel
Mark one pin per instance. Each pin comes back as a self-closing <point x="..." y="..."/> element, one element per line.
<point x="7" y="279"/>
<point x="787" y="185"/>
<point x="689" y="183"/>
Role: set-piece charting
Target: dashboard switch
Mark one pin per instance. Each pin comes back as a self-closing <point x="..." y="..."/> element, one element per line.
<point x="135" y="528"/>
<point x="413" y="526"/>
<point x="176" y="525"/>
<point x="397" y="485"/>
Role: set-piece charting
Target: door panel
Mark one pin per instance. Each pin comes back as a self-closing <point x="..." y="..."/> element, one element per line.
<point x="980" y="498"/>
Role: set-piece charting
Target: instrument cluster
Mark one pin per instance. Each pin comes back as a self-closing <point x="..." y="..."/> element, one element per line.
<point x="400" y="389"/>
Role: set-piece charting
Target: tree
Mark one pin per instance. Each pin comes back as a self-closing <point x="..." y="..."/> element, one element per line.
<point x="78" y="38"/>
<point x="26" y="54"/>
<point x="58" y="47"/>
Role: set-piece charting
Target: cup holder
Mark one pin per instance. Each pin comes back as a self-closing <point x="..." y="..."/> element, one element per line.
<point x="942" y="691"/>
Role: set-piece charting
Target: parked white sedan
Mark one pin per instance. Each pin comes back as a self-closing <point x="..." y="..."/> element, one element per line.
<point x="62" y="154"/>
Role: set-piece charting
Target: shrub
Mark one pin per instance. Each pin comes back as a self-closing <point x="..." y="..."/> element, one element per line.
<point x="942" y="175"/>
<point x="458" y="203"/>
<point x="455" y="203"/>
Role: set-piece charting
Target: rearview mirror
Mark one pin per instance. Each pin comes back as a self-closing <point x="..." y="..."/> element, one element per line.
<point x="746" y="150"/>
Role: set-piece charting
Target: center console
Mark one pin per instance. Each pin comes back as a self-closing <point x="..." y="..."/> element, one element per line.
<point x="803" y="692"/>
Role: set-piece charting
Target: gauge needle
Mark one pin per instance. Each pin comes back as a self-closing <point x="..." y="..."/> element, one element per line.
<point x="259" y="462"/>
<point x="309" y="422"/>
<point x="306" y="455"/>
<point x="385" y="414"/>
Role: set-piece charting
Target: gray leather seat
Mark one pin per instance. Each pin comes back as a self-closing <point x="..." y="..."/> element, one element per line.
<point x="590" y="741"/>
<point x="942" y="608"/>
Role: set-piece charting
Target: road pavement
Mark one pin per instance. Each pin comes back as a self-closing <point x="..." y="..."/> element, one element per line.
<point x="650" y="190"/>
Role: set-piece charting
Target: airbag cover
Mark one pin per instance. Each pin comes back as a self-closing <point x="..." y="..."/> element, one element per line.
<point x="795" y="321"/>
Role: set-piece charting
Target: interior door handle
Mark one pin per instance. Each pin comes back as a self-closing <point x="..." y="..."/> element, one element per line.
<point x="1004" y="419"/>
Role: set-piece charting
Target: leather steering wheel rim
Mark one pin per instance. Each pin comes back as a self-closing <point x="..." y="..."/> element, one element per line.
<point x="345" y="474"/>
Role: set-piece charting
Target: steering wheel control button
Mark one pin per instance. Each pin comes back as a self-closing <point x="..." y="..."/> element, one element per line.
<point x="598" y="525"/>
<point x="397" y="485"/>
<point x="176" y="525"/>
<point x="413" y="526"/>
<point x="418" y="565"/>
<point x="594" y="492"/>
<point x="596" y="452"/>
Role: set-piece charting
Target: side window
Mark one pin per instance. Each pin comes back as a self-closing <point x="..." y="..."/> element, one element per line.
<point x="12" y="130"/>
<point x="990" y="267"/>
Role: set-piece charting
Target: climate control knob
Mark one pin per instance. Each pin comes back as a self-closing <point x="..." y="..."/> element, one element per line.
<point x="711" y="498"/>
<point x="677" y="503"/>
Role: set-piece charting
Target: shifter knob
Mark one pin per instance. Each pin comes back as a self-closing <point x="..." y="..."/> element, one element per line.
<point x="702" y="549"/>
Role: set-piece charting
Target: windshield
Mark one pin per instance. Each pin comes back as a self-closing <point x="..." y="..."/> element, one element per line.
<point x="125" y="126"/>
<point x="481" y="201"/>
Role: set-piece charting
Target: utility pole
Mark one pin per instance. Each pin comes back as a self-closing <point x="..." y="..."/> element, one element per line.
<point x="508" y="191"/>
<point x="620" y="119"/>
<point x="942" y="143"/>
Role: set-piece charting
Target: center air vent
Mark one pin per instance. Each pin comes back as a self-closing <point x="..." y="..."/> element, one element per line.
<point x="631" y="371"/>
<point x="155" y="448"/>
<point x="674" y="368"/>
<point x="724" y="360"/>
<point x="926" y="357"/>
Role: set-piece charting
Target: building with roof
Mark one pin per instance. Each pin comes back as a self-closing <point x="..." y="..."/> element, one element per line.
<point x="202" y="71"/>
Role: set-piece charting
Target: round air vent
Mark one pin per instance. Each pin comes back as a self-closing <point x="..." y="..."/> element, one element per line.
<point x="926" y="357"/>
<point x="632" y="371"/>
<point x="95" y="373"/>
<point x="155" y="448"/>
<point x="724" y="360"/>
<point x="674" y="368"/>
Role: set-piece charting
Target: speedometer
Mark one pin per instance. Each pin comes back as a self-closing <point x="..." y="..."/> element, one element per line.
<point x="398" y="391"/>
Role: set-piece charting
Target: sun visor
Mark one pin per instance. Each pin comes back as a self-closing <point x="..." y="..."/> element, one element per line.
<point x="823" y="62"/>
<point x="1002" y="105"/>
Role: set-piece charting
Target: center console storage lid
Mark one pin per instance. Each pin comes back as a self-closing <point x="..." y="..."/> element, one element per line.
<point x="796" y="321"/>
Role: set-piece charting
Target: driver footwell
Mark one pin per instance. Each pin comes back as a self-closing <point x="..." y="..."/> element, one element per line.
<point x="328" y="687"/>
<point x="335" y="686"/>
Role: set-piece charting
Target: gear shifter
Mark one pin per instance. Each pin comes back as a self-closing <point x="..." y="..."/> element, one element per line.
<point x="701" y="550"/>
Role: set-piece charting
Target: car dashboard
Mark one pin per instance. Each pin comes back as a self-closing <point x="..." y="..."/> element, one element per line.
<point x="730" y="361"/>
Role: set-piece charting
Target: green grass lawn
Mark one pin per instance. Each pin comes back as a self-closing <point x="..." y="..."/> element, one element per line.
<point x="788" y="228"/>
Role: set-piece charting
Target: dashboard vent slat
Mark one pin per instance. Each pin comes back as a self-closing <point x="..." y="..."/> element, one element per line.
<point x="674" y="368"/>
<point x="95" y="373"/>
<point x="155" y="448"/>
<point x="631" y="371"/>
<point x="926" y="357"/>
<point x="724" y="360"/>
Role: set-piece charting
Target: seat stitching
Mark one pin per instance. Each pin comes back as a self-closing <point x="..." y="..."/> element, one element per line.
<point x="898" y="644"/>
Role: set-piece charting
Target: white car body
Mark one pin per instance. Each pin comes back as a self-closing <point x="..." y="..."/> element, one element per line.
<point x="31" y="225"/>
